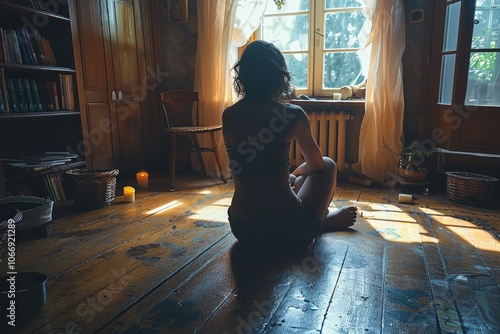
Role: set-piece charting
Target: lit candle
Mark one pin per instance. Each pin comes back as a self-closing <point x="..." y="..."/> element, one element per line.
<point x="128" y="194"/>
<point x="142" y="180"/>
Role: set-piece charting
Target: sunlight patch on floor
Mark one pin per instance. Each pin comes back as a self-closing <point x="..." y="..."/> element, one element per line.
<point x="426" y="237"/>
<point x="404" y="230"/>
<point x="430" y="212"/>
<point x="213" y="212"/>
<point x="226" y="201"/>
<point x="469" y="233"/>
<point x="164" y="207"/>
<point x="370" y="206"/>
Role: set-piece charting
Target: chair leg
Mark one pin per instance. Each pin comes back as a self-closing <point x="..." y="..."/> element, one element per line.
<point x="172" y="160"/>
<point x="217" y="158"/>
<point x="198" y="152"/>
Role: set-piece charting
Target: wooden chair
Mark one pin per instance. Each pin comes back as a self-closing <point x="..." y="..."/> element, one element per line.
<point x="178" y="110"/>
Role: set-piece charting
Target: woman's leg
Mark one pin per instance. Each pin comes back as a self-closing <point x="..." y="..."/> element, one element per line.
<point x="316" y="191"/>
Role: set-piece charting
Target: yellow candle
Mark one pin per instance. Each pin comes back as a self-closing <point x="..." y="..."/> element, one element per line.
<point x="128" y="194"/>
<point x="337" y="96"/>
<point x="142" y="180"/>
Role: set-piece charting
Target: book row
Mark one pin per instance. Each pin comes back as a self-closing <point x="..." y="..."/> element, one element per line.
<point x="21" y="94"/>
<point x="48" y="185"/>
<point x="25" y="46"/>
<point x="46" y="5"/>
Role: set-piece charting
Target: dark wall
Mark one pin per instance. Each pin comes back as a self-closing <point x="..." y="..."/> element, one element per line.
<point x="178" y="47"/>
<point x="414" y="66"/>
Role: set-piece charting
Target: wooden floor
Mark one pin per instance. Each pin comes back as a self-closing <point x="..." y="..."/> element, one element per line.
<point x="169" y="264"/>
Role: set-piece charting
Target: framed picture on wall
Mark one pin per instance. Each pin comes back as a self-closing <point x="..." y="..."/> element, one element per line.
<point x="177" y="11"/>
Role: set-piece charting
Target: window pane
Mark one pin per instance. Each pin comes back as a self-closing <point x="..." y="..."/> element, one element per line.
<point x="451" y="27"/>
<point x="289" y="33"/>
<point x="486" y="28"/>
<point x="341" y="29"/>
<point x="487" y="2"/>
<point x="297" y="65"/>
<point x="447" y="77"/>
<point x="483" y="84"/>
<point x="341" y="69"/>
<point x="287" y="7"/>
<point x="331" y="4"/>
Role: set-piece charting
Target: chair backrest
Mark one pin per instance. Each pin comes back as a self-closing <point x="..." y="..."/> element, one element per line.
<point x="178" y="107"/>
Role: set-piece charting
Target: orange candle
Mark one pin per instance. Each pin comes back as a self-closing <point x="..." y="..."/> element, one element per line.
<point x="128" y="194"/>
<point x="142" y="180"/>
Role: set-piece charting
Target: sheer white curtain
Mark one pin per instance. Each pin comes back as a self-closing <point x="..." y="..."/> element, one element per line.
<point x="223" y="26"/>
<point x="248" y="18"/>
<point x="382" y="126"/>
<point x="212" y="72"/>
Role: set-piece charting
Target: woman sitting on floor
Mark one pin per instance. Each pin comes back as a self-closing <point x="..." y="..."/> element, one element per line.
<point x="270" y="206"/>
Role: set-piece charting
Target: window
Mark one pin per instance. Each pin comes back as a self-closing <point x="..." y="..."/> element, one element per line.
<point x="319" y="40"/>
<point x="464" y="79"/>
<point x="483" y="85"/>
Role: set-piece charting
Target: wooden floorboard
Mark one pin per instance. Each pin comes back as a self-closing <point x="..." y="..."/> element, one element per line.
<point x="169" y="264"/>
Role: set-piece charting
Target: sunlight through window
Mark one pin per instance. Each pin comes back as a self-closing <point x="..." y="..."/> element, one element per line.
<point x="164" y="207"/>
<point x="430" y="212"/>
<point x="213" y="213"/>
<point x="469" y="232"/>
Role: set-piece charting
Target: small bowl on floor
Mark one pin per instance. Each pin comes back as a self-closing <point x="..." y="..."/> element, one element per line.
<point x="23" y="295"/>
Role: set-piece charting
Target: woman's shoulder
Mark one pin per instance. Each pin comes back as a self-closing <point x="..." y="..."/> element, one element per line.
<point x="292" y="106"/>
<point x="293" y="109"/>
<point x="229" y="111"/>
<point x="241" y="107"/>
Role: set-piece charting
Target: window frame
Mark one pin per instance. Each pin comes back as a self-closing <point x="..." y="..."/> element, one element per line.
<point x="316" y="46"/>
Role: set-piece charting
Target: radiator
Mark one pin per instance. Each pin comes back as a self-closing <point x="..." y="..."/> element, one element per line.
<point x="329" y="131"/>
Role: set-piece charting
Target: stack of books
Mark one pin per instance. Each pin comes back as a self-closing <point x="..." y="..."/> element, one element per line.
<point x="34" y="163"/>
<point x="47" y="183"/>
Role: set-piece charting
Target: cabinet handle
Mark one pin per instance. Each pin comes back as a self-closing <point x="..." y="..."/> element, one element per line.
<point x="120" y="95"/>
<point x="113" y="96"/>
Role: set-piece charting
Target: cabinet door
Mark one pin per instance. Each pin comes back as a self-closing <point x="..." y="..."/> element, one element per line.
<point x="126" y="24"/>
<point x="112" y="71"/>
<point x="96" y="84"/>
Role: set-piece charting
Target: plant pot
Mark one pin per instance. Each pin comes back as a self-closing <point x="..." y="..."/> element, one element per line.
<point x="413" y="175"/>
<point x="22" y="296"/>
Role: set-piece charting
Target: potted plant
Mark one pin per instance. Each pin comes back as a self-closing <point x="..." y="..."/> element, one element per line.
<point x="412" y="162"/>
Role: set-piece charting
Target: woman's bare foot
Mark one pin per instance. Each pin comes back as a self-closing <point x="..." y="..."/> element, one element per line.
<point x="340" y="219"/>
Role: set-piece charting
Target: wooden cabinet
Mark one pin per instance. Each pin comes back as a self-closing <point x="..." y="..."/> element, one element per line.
<point x="46" y="116"/>
<point x="112" y="68"/>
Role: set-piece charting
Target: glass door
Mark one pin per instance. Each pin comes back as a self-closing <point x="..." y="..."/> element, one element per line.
<point x="463" y="110"/>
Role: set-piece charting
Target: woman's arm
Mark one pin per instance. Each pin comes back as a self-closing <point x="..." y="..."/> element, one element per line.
<point x="308" y="146"/>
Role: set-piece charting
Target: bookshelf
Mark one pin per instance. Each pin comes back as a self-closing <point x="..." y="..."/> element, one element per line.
<point x="38" y="100"/>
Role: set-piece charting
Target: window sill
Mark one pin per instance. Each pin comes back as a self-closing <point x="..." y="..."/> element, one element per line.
<point x="331" y="103"/>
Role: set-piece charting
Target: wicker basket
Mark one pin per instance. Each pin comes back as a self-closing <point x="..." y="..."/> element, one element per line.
<point x="91" y="188"/>
<point x="36" y="210"/>
<point x="470" y="188"/>
<point x="7" y="212"/>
